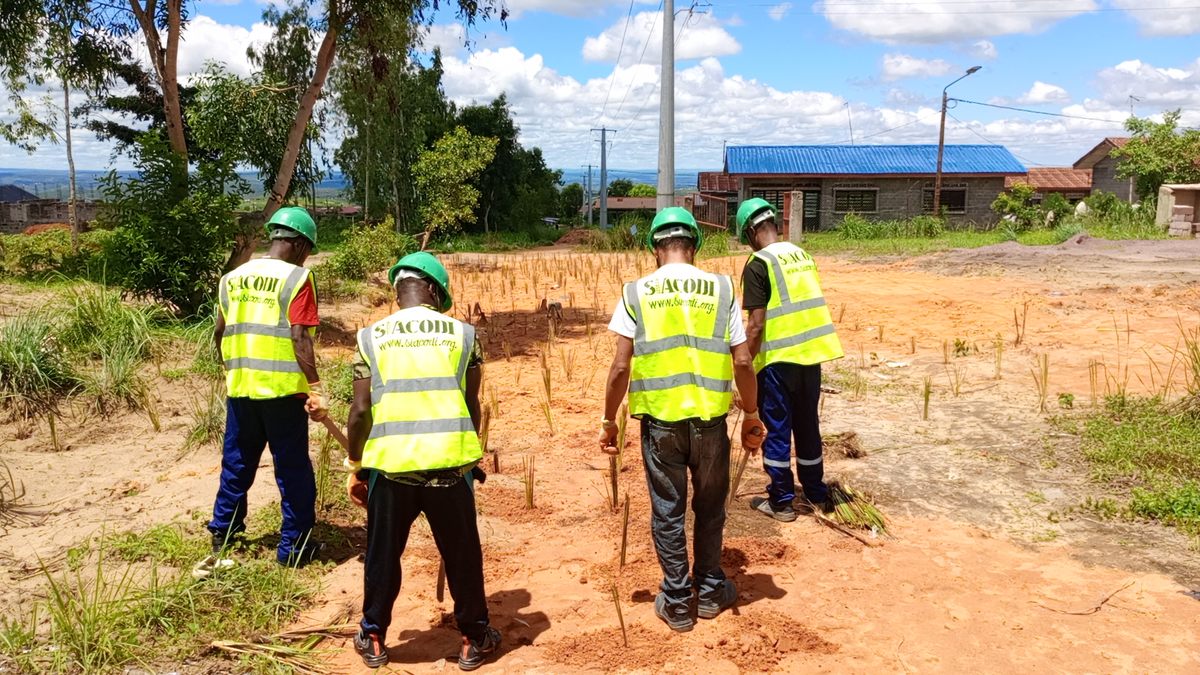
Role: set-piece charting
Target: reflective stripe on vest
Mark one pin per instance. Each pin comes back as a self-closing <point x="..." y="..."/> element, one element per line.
<point x="260" y="361"/>
<point x="799" y="328"/>
<point x="420" y="421"/>
<point x="682" y="368"/>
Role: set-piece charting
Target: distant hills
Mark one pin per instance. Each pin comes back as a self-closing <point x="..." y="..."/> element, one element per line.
<point x="53" y="183"/>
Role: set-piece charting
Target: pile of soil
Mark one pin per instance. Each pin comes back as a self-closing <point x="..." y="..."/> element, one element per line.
<point x="575" y="237"/>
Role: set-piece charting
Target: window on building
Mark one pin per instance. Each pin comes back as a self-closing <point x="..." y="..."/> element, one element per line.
<point x="855" y="200"/>
<point x="954" y="200"/>
<point x="775" y="197"/>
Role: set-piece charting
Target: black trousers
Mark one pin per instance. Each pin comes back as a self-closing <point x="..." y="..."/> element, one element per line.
<point x="391" y="509"/>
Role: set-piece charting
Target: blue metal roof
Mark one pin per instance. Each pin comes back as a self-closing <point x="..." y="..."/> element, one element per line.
<point x="868" y="159"/>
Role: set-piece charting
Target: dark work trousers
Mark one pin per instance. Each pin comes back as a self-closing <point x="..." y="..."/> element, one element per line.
<point x="250" y="426"/>
<point x="670" y="450"/>
<point x="789" y="398"/>
<point x="391" y="509"/>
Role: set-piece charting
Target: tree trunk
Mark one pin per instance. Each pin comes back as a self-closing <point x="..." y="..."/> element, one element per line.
<point x="165" y="62"/>
<point x="367" y="180"/>
<point x="72" y="206"/>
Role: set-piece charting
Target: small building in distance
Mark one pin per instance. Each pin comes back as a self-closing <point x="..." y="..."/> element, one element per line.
<point x="1073" y="184"/>
<point x="874" y="181"/>
<point x="20" y="209"/>
<point x="1103" y="165"/>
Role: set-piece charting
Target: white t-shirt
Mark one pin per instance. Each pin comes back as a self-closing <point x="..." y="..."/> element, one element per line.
<point x="623" y="324"/>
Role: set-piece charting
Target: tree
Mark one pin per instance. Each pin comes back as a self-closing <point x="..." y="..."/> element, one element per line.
<point x="1017" y="207"/>
<point x="620" y="187"/>
<point x="1158" y="153"/>
<point x="570" y="202"/>
<point x="643" y="190"/>
<point x="444" y="177"/>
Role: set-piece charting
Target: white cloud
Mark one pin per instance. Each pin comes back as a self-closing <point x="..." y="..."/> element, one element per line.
<point x="1042" y="92"/>
<point x="1156" y="87"/>
<point x="778" y="12"/>
<point x="698" y="36"/>
<point x="565" y="7"/>
<point x="984" y="49"/>
<point x="933" y="21"/>
<point x="449" y="37"/>
<point x="206" y="40"/>
<point x="1166" y="17"/>
<point x="900" y="66"/>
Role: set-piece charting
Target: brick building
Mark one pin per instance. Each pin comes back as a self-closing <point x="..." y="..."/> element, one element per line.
<point x="1103" y="165"/>
<point x="874" y="181"/>
<point x="20" y="209"/>
<point x="1073" y="184"/>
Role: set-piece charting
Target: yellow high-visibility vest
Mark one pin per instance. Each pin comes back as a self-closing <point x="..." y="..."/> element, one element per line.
<point x="418" y="359"/>
<point x="681" y="368"/>
<point x="799" y="328"/>
<point x="260" y="361"/>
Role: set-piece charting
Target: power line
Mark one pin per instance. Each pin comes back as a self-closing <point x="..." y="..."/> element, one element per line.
<point x="641" y="58"/>
<point x="620" y="52"/>
<point x="893" y="9"/>
<point x="678" y="35"/>
<point x="989" y="141"/>
<point x="1039" y="112"/>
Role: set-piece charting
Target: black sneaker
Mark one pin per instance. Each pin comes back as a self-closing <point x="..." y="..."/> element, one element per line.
<point x="473" y="653"/>
<point x="302" y="557"/>
<point x="708" y="607"/>
<point x="784" y="514"/>
<point x="223" y="540"/>
<point x="677" y="617"/>
<point x="370" y="647"/>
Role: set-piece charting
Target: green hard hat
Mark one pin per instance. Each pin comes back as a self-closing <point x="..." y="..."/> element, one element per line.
<point x="746" y="212"/>
<point x="428" y="265"/>
<point x="296" y="219"/>
<point x="679" y="221"/>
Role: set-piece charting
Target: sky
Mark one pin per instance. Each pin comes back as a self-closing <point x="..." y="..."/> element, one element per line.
<point x="783" y="73"/>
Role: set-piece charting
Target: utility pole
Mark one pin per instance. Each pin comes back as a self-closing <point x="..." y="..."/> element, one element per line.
<point x="850" y="122"/>
<point x="937" y="180"/>
<point x="603" y="176"/>
<point x="666" y="112"/>
<point x="589" y="196"/>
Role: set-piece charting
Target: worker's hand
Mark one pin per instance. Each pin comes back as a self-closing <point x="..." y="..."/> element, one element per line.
<point x="754" y="432"/>
<point x="317" y="406"/>
<point x="608" y="438"/>
<point x="357" y="489"/>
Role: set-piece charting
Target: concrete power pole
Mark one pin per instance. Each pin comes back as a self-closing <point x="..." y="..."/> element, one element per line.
<point x="666" y="112"/>
<point x="603" y="177"/>
<point x="589" y="196"/>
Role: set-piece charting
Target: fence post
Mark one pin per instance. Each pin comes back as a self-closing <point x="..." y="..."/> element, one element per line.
<point x="796" y="218"/>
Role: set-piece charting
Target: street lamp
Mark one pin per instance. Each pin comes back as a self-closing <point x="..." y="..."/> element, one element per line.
<point x="937" y="181"/>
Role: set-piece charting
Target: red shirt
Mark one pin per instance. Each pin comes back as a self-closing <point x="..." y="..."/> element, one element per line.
<point x="303" y="310"/>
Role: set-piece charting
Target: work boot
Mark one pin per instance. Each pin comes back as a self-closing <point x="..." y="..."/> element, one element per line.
<point x="784" y="514"/>
<point x="302" y="557"/>
<point x="370" y="647"/>
<point x="677" y="616"/>
<point x="709" y="606"/>
<point x="474" y="653"/>
<point x="222" y="540"/>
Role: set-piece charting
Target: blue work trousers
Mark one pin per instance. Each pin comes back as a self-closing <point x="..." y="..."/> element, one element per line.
<point x="789" y="398"/>
<point x="670" y="450"/>
<point x="250" y="426"/>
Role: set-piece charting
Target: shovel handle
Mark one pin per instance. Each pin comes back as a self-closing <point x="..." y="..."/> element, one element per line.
<point x="337" y="433"/>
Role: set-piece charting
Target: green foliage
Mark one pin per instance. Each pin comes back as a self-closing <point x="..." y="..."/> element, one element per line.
<point x="35" y="370"/>
<point x="1111" y="217"/>
<point x="627" y="234"/>
<point x="856" y="227"/>
<point x="94" y="318"/>
<point x="643" y="190"/>
<point x="498" y="242"/>
<point x="208" y="417"/>
<point x="570" y="201"/>
<point x="1057" y="204"/>
<point x="1144" y="443"/>
<point x="50" y="253"/>
<point x="1158" y="153"/>
<point x="173" y="227"/>
<point x="716" y="244"/>
<point x="443" y="178"/>
<point x="339" y="375"/>
<point x="620" y="187"/>
<point x="1017" y="207"/>
<point x="368" y="249"/>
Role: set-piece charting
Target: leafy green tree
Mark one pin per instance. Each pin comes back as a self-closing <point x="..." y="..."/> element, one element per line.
<point x="445" y="177"/>
<point x="1158" y="153"/>
<point x="643" y="190"/>
<point x="570" y="201"/>
<point x="620" y="187"/>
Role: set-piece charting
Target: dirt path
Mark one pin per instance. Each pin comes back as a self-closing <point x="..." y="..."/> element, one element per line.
<point x="983" y="494"/>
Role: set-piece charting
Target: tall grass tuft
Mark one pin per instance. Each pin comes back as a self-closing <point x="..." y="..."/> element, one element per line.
<point x="95" y="320"/>
<point x="208" y="418"/>
<point x="35" y="371"/>
<point x="529" y="473"/>
<point x="1041" y="379"/>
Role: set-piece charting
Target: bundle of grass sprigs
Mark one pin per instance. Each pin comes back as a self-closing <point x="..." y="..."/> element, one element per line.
<point x="854" y="509"/>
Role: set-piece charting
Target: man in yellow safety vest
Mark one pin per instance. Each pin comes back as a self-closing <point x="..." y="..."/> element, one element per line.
<point x="790" y="334"/>
<point x="264" y="331"/>
<point x="677" y="329"/>
<point x="413" y="446"/>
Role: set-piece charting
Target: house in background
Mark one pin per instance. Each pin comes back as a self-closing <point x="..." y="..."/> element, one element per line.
<point x="1073" y="184"/>
<point x="1103" y="165"/>
<point x="20" y="209"/>
<point x="874" y="181"/>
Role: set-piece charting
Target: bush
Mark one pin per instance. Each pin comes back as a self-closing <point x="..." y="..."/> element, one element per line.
<point x="35" y="373"/>
<point x="368" y="249"/>
<point x="1058" y="205"/>
<point x="627" y="234"/>
<point x="49" y="253"/>
<point x="174" y="228"/>
<point x="716" y="244"/>
<point x="1017" y="208"/>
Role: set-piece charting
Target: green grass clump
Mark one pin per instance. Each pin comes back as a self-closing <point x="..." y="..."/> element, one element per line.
<point x="35" y="371"/>
<point x="498" y="242"/>
<point x="855" y="227"/>
<point x="1145" y="443"/>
